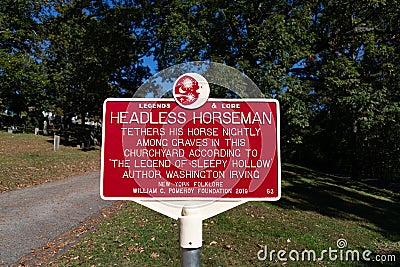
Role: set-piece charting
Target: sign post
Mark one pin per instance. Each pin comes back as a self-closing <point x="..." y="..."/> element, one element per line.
<point x="190" y="238"/>
<point x="190" y="157"/>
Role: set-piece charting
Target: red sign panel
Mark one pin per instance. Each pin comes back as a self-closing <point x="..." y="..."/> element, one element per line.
<point x="154" y="148"/>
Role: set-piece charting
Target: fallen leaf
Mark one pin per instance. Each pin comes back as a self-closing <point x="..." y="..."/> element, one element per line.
<point x="140" y="250"/>
<point x="227" y="246"/>
<point x="154" y="255"/>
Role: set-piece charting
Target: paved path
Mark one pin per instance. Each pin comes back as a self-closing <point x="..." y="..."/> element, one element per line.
<point x="34" y="216"/>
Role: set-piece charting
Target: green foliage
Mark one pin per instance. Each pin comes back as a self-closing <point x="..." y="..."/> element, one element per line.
<point x="93" y="54"/>
<point x="356" y="89"/>
<point x="333" y="65"/>
<point x="21" y="75"/>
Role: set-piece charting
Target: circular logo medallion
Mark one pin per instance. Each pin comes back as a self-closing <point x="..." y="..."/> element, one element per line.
<point x="191" y="90"/>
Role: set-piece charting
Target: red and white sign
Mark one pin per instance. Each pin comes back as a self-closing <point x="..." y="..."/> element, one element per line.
<point x="221" y="149"/>
<point x="191" y="90"/>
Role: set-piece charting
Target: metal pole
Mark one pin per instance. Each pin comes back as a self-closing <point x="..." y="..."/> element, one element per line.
<point x="190" y="257"/>
<point x="190" y="238"/>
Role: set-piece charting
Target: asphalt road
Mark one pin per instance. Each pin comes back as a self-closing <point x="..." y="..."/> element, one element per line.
<point x="32" y="217"/>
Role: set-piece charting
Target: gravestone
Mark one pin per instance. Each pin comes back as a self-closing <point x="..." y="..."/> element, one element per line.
<point x="45" y="128"/>
<point x="56" y="142"/>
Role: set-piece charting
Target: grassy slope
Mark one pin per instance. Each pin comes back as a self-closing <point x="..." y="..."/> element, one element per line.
<point x="26" y="159"/>
<point x="314" y="212"/>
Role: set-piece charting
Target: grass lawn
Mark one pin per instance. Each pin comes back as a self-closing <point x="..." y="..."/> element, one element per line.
<point x="27" y="159"/>
<point x="316" y="210"/>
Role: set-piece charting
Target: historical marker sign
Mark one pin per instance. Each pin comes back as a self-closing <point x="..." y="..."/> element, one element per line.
<point x="221" y="149"/>
<point x="191" y="157"/>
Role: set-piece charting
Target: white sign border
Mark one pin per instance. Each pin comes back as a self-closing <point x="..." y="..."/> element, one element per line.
<point x="193" y="200"/>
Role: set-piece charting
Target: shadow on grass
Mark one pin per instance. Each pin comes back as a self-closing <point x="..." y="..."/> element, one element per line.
<point x="337" y="197"/>
<point x="86" y="148"/>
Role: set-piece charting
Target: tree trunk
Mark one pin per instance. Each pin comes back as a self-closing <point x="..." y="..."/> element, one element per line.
<point x="355" y="165"/>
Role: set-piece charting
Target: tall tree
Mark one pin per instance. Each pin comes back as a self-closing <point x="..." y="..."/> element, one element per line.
<point x="333" y="65"/>
<point x="22" y="77"/>
<point x="93" y="53"/>
<point x="356" y="54"/>
<point x="264" y="39"/>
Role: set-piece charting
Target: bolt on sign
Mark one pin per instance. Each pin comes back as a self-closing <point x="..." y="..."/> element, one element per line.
<point x="190" y="147"/>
